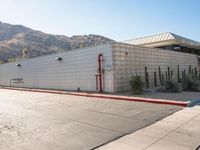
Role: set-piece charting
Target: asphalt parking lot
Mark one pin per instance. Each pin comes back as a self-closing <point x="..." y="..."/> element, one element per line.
<point x="43" y="121"/>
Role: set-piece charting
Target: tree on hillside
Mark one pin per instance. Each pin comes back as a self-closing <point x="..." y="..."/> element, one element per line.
<point x="25" y="53"/>
<point x="2" y="62"/>
<point x="13" y="59"/>
<point x="61" y="50"/>
<point x="82" y="45"/>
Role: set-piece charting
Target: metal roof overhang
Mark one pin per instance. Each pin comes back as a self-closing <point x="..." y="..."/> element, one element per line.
<point x="164" y="39"/>
<point x="171" y="42"/>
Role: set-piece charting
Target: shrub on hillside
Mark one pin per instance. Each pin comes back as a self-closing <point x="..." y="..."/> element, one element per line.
<point x="136" y="85"/>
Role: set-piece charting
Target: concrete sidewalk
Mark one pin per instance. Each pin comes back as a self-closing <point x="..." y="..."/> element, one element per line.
<point x="179" y="131"/>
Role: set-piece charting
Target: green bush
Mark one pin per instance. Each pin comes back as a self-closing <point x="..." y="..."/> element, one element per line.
<point x="190" y="84"/>
<point x="171" y="86"/>
<point x="136" y="85"/>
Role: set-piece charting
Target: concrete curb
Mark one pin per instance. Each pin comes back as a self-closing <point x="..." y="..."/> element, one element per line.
<point x="114" y="97"/>
<point x="194" y="102"/>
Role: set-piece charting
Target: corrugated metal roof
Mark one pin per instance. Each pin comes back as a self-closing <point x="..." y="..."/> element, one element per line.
<point x="163" y="37"/>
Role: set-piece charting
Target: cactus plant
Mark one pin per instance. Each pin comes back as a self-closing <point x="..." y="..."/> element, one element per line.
<point x="155" y="79"/>
<point x="146" y="77"/>
<point x="190" y="69"/>
<point x="184" y="73"/>
<point x="166" y="77"/>
<point x="178" y="74"/>
<point x="182" y="76"/>
<point x="192" y="73"/>
<point x="196" y="73"/>
<point x="160" y="77"/>
<point x="168" y="71"/>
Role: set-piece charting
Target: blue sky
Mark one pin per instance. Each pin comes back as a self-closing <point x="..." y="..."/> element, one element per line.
<point x="116" y="19"/>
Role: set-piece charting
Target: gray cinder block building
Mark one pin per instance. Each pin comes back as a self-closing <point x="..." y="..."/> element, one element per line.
<point x="107" y="67"/>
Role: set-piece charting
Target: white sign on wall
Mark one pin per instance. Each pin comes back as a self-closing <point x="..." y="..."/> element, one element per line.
<point x="108" y="67"/>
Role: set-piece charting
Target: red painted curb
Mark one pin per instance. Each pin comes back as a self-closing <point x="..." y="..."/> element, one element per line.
<point x="156" y="101"/>
<point x="125" y="98"/>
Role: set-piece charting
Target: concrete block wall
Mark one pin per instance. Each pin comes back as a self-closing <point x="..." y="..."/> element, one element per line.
<point x="76" y="70"/>
<point x="130" y="60"/>
<point x="78" y="67"/>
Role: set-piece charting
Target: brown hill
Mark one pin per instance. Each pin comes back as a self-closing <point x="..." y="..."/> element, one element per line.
<point x="17" y="40"/>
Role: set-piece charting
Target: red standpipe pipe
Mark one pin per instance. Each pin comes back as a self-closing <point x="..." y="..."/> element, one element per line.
<point x="96" y="82"/>
<point x="100" y="72"/>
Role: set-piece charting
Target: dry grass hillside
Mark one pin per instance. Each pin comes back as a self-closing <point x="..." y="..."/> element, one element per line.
<point x="17" y="41"/>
